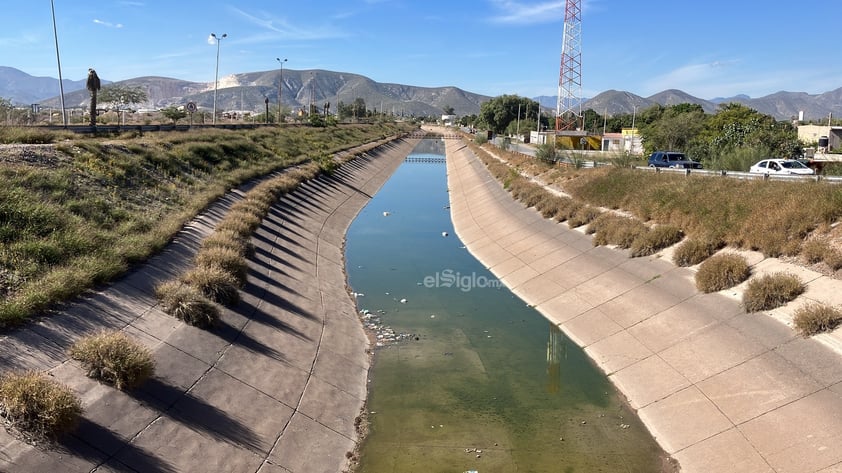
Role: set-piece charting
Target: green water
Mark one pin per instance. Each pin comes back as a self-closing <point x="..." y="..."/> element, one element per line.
<point x="478" y="369"/>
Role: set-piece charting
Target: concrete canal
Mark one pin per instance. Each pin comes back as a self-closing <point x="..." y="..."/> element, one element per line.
<point x="466" y="376"/>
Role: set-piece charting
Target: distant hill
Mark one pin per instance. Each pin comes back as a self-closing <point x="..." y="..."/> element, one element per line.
<point x="24" y="89"/>
<point x="248" y="91"/>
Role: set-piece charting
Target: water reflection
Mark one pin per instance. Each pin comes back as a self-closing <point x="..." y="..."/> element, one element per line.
<point x="556" y="352"/>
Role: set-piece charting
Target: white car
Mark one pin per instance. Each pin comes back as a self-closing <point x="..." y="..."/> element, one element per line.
<point x="781" y="166"/>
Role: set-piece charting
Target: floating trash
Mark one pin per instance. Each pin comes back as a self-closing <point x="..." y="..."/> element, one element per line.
<point x="383" y="334"/>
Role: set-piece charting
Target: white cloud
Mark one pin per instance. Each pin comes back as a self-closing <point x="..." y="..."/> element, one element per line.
<point x="281" y="28"/>
<point x="715" y="79"/>
<point x="514" y="12"/>
<point x="107" y="24"/>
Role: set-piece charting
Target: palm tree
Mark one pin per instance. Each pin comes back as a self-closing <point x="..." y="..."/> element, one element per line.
<point x="93" y="85"/>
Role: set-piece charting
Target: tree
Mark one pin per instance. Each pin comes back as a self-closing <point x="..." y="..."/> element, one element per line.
<point x="497" y="113"/>
<point x="447" y="109"/>
<point x="546" y="152"/>
<point x="121" y="95"/>
<point x="93" y="85"/>
<point x="359" y="107"/>
<point x="174" y="113"/>
<point x="674" y="129"/>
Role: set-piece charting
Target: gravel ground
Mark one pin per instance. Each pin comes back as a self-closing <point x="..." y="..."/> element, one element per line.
<point x="30" y="154"/>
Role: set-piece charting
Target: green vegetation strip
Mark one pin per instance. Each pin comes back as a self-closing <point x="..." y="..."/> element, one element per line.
<point x="82" y="212"/>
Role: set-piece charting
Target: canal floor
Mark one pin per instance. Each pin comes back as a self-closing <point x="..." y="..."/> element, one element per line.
<point x="466" y="376"/>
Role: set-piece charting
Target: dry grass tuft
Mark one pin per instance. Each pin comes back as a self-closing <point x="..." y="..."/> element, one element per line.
<point x="771" y="291"/>
<point x="231" y="261"/>
<point x="610" y="229"/>
<point x="38" y="406"/>
<point x="722" y="272"/>
<point x="694" y="251"/>
<point x="815" y="318"/>
<point x="583" y="216"/>
<point x="656" y="239"/>
<point x="187" y="304"/>
<point x="215" y="283"/>
<point x="114" y="358"/>
<point x="228" y="239"/>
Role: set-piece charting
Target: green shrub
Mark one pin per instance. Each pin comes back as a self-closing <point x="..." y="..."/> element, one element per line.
<point x="694" y="251"/>
<point x="816" y="318"/>
<point x="187" y="304"/>
<point x="114" y="358"/>
<point x="771" y="291"/>
<point x="655" y="240"/>
<point x="215" y="283"/>
<point x="38" y="406"/>
<point x="721" y="272"/>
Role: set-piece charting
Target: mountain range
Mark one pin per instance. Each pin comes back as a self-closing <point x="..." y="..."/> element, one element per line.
<point x="249" y="91"/>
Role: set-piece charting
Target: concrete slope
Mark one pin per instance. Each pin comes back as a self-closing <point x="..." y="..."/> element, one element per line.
<point x="721" y="390"/>
<point x="275" y="388"/>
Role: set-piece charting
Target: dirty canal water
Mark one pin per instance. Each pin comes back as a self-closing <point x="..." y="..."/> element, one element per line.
<point x="466" y="377"/>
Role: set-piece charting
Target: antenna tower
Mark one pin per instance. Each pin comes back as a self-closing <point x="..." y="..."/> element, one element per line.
<point x="569" y="106"/>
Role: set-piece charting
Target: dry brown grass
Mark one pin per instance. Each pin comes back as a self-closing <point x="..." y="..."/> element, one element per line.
<point x="611" y="229"/>
<point x="37" y="406"/>
<point x="228" y="260"/>
<point x="187" y="303"/>
<point x="694" y="251"/>
<point x="583" y="216"/>
<point x="114" y="358"/>
<point x="215" y="283"/>
<point x="815" y="318"/>
<point x="228" y="239"/>
<point x="550" y="205"/>
<point x="722" y="271"/>
<point x="770" y="291"/>
<point x="821" y="251"/>
<point x="655" y="239"/>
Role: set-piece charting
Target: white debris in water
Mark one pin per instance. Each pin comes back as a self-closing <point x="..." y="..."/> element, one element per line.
<point x="383" y="334"/>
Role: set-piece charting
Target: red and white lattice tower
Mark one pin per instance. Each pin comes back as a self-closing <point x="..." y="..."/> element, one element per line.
<point x="569" y="107"/>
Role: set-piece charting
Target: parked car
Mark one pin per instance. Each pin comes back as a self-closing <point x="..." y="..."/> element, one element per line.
<point x="781" y="166"/>
<point x="672" y="159"/>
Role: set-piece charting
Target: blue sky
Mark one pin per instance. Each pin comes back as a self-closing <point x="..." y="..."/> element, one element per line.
<point x="708" y="48"/>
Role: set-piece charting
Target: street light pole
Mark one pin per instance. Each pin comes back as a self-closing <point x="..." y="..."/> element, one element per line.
<point x="58" y="60"/>
<point x="280" y="87"/>
<point x="216" y="75"/>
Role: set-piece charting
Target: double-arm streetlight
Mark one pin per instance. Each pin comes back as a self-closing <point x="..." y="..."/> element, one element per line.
<point x="218" y="40"/>
<point x="280" y="86"/>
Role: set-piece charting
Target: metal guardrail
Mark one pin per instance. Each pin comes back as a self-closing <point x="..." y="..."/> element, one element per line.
<point x="746" y="175"/>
